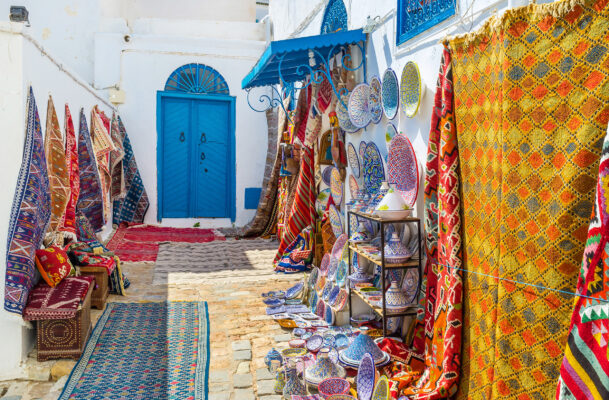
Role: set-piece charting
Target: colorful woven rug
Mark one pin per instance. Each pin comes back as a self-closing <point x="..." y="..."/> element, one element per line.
<point x="584" y="373"/>
<point x="60" y="302"/>
<point x="531" y="108"/>
<point x="117" y="187"/>
<point x="145" y="351"/>
<point x="90" y="201"/>
<point x="141" y="242"/>
<point x="29" y="215"/>
<point x="133" y="206"/>
<point x="69" y="220"/>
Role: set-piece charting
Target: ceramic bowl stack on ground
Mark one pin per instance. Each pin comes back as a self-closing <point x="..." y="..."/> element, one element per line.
<point x="352" y="355"/>
<point x="323" y="368"/>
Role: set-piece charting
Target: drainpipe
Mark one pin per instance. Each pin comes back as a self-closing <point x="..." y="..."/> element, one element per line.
<point x="268" y="28"/>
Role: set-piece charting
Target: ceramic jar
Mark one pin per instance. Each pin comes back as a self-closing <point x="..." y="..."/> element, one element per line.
<point x="395" y="251"/>
<point x="293" y="385"/>
<point x="395" y="299"/>
<point x="323" y="368"/>
<point x="272" y="355"/>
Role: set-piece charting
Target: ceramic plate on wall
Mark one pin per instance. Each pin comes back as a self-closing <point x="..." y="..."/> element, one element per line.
<point x="353" y="160"/>
<point x="374" y="100"/>
<point x="322" y="201"/>
<point x="403" y="169"/>
<point x="335" y="221"/>
<point x="410" y="89"/>
<point x="359" y="113"/>
<point x="343" y="116"/>
<point x="362" y="150"/>
<point x="353" y="186"/>
<point x="390" y="93"/>
<point x="410" y="283"/>
<point x="336" y="186"/>
<point x="390" y="132"/>
<point x="374" y="173"/>
<point x="326" y="175"/>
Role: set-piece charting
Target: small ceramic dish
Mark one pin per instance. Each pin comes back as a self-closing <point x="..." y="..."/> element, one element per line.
<point x="315" y="343"/>
<point x="299" y="332"/>
<point x="272" y="302"/>
<point x="363" y="285"/>
<point x="372" y="293"/>
<point x="369" y="289"/>
<point x="293" y="352"/>
<point x="297" y="343"/>
<point x="307" y="335"/>
<point x="287" y="323"/>
<point x="342" y="341"/>
<point x="333" y="387"/>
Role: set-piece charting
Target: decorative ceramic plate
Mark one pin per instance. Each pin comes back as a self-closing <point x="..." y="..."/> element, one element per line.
<point x="374" y="173"/>
<point x="322" y="201"/>
<point x="336" y="221"/>
<point x="329" y="340"/>
<point x="325" y="264"/>
<point x="410" y="89"/>
<point x="365" y="378"/>
<point x="353" y="187"/>
<point x="320" y="310"/>
<point x="321" y="282"/>
<point x="409" y="284"/>
<point x="293" y="352"/>
<point x="390" y="132"/>
<point x="342" y="341"/>
<point x="336" y="186"/>
<point x="307" y="334"/>
<point x="294" y="291"/>
<point x="374" y="100"/>
<point x="390" y="93"/>
<point x="353" y="160"/>
<point x="313" y="277"/>
<point x="341" y="300"/>
<point x="333" y="354"/>
<point x="333" y="268"/>
<point x="334" y="295"/>
<point x="326" y="175"/>
<point x="359" y="113"/>
<point x="273" y="302"/>
<point x="339" y="245"/>
<point x="381" y="391"/>
<point x="299" y="332"/>
<point x="362" y="149"/>
<point x="315" y="342"/>
<point x="343" y="115"/>
<point x="325" y="295"/>
<point x="341" y="274"/>
<point x="330" y="317"/>
<point x="403" y="169"/>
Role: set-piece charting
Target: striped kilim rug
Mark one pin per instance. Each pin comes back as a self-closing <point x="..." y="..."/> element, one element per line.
<point x="145" y="351"/>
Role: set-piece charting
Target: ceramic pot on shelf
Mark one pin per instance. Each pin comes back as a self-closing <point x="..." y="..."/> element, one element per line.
<point x="395" y="299"/>
<point x="393" y="206"/>
<point x="395" y="251"/>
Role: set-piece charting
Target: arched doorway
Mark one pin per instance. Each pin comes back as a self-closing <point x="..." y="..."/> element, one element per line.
<point x="335" y="17"/>
<point x="196" y="145"/>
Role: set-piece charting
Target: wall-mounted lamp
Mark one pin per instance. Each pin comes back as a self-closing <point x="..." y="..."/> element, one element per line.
<point x="312" y="62"/>
<point x="371" y="24"/>
<point x="19" y="14"/>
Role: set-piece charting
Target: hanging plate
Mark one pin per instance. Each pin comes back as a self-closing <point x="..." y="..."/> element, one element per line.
<point x="335" y="221"/>
<point x="353" y="160"/>
<point x="326" y="175"/>
<point x="403" y="169"/>
<point x="409" y="284"/>
<point x="362" y="150"/>
<point x="390" y="93"/>
<point x="325" y="264"/>
<point x="341" y="274"/>
<point x="359" y="113"/>
<point x="336" y="186"/>
<point x="353" y="186"/>
<point x="322" y="201"/>
<point x="390" y="132"/>
<point x="374" y="100"/>
<point x="410" y="89"/>
<point x="343" y="116"/>
<point x="374" y="173"/>
<point x="339" y="244"/>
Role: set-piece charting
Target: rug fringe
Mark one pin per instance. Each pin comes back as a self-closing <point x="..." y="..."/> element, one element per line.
<point x="493" y="24"/>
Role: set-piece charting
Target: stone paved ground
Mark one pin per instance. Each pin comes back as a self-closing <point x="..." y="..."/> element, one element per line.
<point x="241" y="334"/>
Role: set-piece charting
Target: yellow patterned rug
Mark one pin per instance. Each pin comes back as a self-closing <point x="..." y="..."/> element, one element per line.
<point x="532" y="104"/>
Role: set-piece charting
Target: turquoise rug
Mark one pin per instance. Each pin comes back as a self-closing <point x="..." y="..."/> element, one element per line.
<point x="145" y="351"/>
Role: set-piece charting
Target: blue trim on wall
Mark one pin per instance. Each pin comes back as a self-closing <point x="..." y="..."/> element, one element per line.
<point x="252" y="197"/>
<point x="231" y="184"/>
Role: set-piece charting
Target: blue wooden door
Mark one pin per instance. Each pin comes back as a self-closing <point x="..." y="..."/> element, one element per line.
<point x="197" y="157"/>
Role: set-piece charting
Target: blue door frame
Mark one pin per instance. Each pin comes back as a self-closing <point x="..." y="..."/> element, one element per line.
<point x="231" y="170"/>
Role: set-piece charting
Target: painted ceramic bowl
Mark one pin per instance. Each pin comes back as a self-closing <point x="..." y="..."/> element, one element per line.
<point x="333" y="386"/>
<point x="359" y="112"/>
<point x="368" y="289"/>
<point x="342" y="114"/>
<point x="381" y="391"/>
<point x="390" y="93"/>
<point x="272" y="302"/>
<point x="315" y="343"/>
<point x="374" y="100"/>
<point x="365" y="377"/>
<point x="341" y="341"/>
<point x="297" y="343"/>
<point x="410" y="89"/>
<point x="293" y="352"/>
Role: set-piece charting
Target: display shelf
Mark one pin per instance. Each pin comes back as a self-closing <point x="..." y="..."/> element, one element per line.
<point x="385" y="266"/>
<point x="412" y="263"/>
<point x="379" y="310"/>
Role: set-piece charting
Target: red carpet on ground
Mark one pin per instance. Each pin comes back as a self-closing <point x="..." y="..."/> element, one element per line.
<point x="139" y="243"/>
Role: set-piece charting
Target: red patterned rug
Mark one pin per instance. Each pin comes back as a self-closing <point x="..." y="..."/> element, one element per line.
<point x="139" y="243"/>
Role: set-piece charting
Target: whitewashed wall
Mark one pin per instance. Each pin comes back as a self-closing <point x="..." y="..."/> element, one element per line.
<point x="23" y="65"/>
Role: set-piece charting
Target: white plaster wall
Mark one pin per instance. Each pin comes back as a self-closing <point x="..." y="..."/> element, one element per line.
<point x="142" y="67"/>
<point x="22" y="65"/>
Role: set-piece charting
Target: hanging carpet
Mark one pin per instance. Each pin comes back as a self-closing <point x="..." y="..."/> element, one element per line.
<point x="102" y="147"/>
<point x="71" y="152"/>
<point x="59" y="176"/>
<point x="531" y="97"/>
<point x="90" y="201"/>
<point x="145" y="351"/>
<point x="141" y="242"/>
<point x="30" y="215"/>
<point x="117" y="175"/>
<point x="133" y="206"/>
<point x="584" y="373"/>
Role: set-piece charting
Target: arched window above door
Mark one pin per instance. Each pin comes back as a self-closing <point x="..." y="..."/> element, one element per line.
<point x="335" y="17"/>
<point x="197" y="79"/>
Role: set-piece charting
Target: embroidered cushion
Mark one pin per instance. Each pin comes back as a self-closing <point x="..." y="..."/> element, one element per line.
<point x="53" y="264"/>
